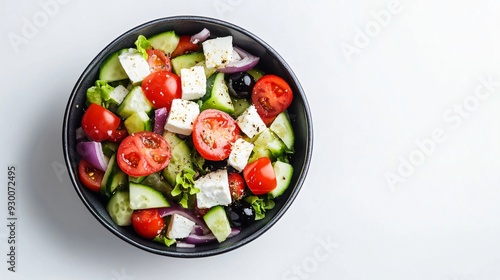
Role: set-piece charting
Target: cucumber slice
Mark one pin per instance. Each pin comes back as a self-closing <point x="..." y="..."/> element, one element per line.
<point x="145" y="197"/>
<point x="111" y="69"/>
<point x="181" y="157"/>
<point x="240" y="105"/>
<point x="137" y="122"/>
<point x="256" y="73"/>
<point x="217" y="96"/>
<point x="217" y="221"/>
<point x="284" y="173"/>
<point x="113" y="178"/>
<point x="269" y="140"/>
<point x="166" y="41"/>
<point x="283" y="129"/>
<point x="158" y="183"/>
<point x="118" y="208"/>
<point x="137" y="180"/>
<point x="187" y="61"/>
<point x="109" y="148"/>
<point x="134" y="102"/>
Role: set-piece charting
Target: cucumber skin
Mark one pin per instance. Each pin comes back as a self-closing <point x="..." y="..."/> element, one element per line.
<point x="217" y="221"/>
<point x="217" y="95"/>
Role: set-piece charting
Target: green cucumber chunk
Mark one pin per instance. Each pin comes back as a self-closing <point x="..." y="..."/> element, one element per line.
<point x="145" y="197"/>
<point x="166" y="41"/>
<point x="217" y="95"/>
<point x="118" y="208"/>
<point x="187" y="61"/>
<point x="134" y="102"/>
<point x="111" y="69"/>
<point x="282" y="127"/>
<point x="240" y="105"/>
<point x="284" y="173"/>
<point x="138" y="122"/>
<point x="109" y="148"/>
<point x="217" y="221"/>
<point x="113" y="178"/>
<point x="270" y="141"/>
<point x="137" y="180"/>
<point x="256" y="73"/>
<point x="180" y="159"/>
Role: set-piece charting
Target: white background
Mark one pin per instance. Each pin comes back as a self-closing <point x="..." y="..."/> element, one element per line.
<point x="376" y="89"/>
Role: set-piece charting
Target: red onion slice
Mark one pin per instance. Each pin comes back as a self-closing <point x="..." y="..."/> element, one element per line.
<point x="194" y="238"/>
<point x="247" y="62"/>
<point x="175" y="209"/>
<point x="92" y="152"/>
<point x="160" y="120"/>
<point x="200" y="36"/>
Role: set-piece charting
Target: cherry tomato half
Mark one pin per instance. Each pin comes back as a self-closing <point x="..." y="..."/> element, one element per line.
<point x="161" y="88"/>
<point x="271" y="95"/>
<point x="143" y="153"/>
<point x="214" y="132"/>
<point x="158" y="61"/>
<point x="236" y="186"/>
<point x="147" y="222"/>
<point x="90" y="176"/>
<point x="259" y="176"/>
<point x="99" y="123"/>
<point x="184" y="46"/>
<point x="118" y="135"/>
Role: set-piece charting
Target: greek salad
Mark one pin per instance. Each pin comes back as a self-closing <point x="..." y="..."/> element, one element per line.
<point x="185" y="138"/>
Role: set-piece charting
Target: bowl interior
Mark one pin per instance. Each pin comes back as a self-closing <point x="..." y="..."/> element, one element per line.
<point x="270" y="62"/>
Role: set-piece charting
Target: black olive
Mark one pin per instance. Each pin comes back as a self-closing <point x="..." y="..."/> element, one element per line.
<point x="240" y="213"/>
<point x="240" y="84"/>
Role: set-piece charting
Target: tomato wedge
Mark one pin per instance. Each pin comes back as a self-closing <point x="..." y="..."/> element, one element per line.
<point x="143" y="153"/>
<point x="99" y="123"/>
<point x="184" y="46"/>
<point x="147" y="222"/>
<point x="214" y="132"/>
<point x="271" y="95"/>
<point x="236" y="185"/>
<point x="90" y="176"/>
<point x="158" y="61"/>
<point x="161" y="88"/>
<point x="260" y="177"/>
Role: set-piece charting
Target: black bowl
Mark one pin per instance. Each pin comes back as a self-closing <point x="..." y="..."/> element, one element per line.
<point x="270" y="62"/>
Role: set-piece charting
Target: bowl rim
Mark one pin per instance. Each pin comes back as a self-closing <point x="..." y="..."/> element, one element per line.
<point x="223" y="249"/>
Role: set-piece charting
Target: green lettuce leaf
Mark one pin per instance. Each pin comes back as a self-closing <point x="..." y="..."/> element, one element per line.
<point x="184" y="186"/>
<point x="164" y="240"/>
<point x="142" y="45"/>
<point x="100" y="93"/>
<point x="260" y="205"/>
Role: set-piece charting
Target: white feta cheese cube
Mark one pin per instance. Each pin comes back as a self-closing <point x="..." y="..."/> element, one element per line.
<point x="182" y="115"/>
<point x="250" y="122"/>
<point x="218" y="51"/>
<point x="193" y="82"/>
<point x="136" y="67"/>
<point x="240" y="152"/>
<point x="179" y="227"/>
<point x="214" y="189"/>
<point x="118" y="94"/>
